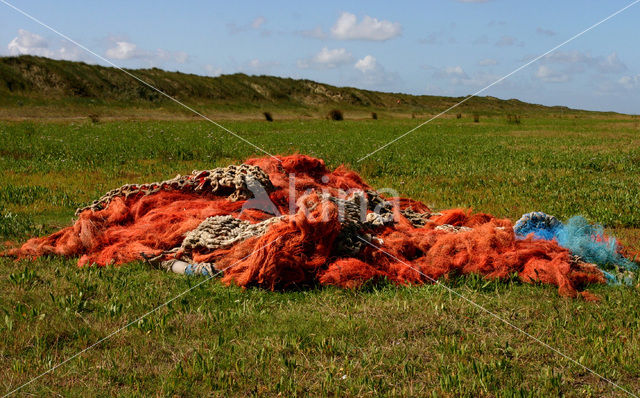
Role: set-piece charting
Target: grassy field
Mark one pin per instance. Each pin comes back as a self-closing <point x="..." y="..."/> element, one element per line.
<point x="382" y="340"/>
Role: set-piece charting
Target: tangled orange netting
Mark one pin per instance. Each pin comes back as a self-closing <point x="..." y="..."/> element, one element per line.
<point x="307" y="247"/>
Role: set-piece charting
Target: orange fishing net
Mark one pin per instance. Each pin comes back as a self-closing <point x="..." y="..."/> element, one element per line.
<point x="308" y="246"/>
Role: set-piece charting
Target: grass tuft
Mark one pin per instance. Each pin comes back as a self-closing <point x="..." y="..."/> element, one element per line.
<point x="94" y="117"/>
<point x="335" y="114"/>
<point x="513" y="119"/>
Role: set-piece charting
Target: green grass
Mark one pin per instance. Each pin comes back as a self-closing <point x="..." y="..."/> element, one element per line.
<point x="382" y="340"/>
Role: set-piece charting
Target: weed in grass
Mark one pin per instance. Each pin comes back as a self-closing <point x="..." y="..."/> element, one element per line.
<point x="13" y="225"/>
<point x="335" y="114"/>
<point x="513" y="119"/>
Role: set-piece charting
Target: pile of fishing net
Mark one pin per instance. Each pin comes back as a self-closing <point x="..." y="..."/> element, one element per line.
<point x="290" y="222"/>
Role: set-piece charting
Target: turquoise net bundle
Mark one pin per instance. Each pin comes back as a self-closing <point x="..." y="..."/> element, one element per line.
<point x="585" y="240"/>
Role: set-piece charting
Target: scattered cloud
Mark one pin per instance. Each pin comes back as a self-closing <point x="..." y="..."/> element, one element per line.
<point x="578" y="61"/>
<point x="372" y="74"/>
<point x="327" y="59"/>
<point x="630" y="82"/>
<point x="180" y="57"/>
<point x="440" y="37"/>
<point x="506" y="41"/>
<point x="256" y="66"/>
<point x="561" y="66"/>
<point x="444" y="35"/>
<point x="255" y="24"/>
<point x="347" y="27"/>
<point x="258" y="22"/>
<point x="452" y="72"/>
<point x="548" y="75"/>
<point x="457" y="76"/>
<point x="366" y="64"/>
<point x="568" y="57"/>
<point x="545" y="32"/>
<point x="212" y="70"/>
<point x="487" y="62"/>
<point x="610" y="64"/>
<point x="432" y="38"/>
<point x="125" y="50"/>
<point x="316" y="33"/>
<point x="28" y="43"/>
<point x="33" y="44"/>
<point x="622" y="87"/>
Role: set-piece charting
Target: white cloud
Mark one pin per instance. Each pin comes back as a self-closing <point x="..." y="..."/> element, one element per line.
<point x="561" y="66"/>
<point x="546" y="74"/>
<point x="256" y="66"/>
<point x="456" y="75"/>
<point x="125" y="50"/>
<point x="33" y="44"/>
<point x="29" y="43"/>
<point x="316" y="33"/>
<point x="569" y="57"/>
<point x="545" y="32"/>
<point x="610" y="64"/>
<point x="258" y="22"/>
<point x="630" y="82"/>
<point x="487" y="62"/>
<point x="327" y="59"/>
<point x="440" y="37"/>
<point x="454" y="71"/>
<point x="579" y="61"/>
<point x="624" y="87"/>
<point x="72" y="53"/>
<point x="372" y="74"/>
<point x="212" y="70"/>
<point x="366" y="64"/>
<point x="432" y="38"/>
<point x="180" y="57"/>
<point x="347" y="27"/>
<point x="506" y="41"/>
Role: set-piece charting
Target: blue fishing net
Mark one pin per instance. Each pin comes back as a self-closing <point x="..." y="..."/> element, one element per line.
<point x="583" y="239"/>
<point x="541" y="225"/>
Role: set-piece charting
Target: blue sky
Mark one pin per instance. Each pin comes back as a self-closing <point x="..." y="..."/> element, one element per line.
<point x="443" y="47"/>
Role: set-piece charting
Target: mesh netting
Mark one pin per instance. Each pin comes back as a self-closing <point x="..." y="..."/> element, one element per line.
<point x="310" y="233"/>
